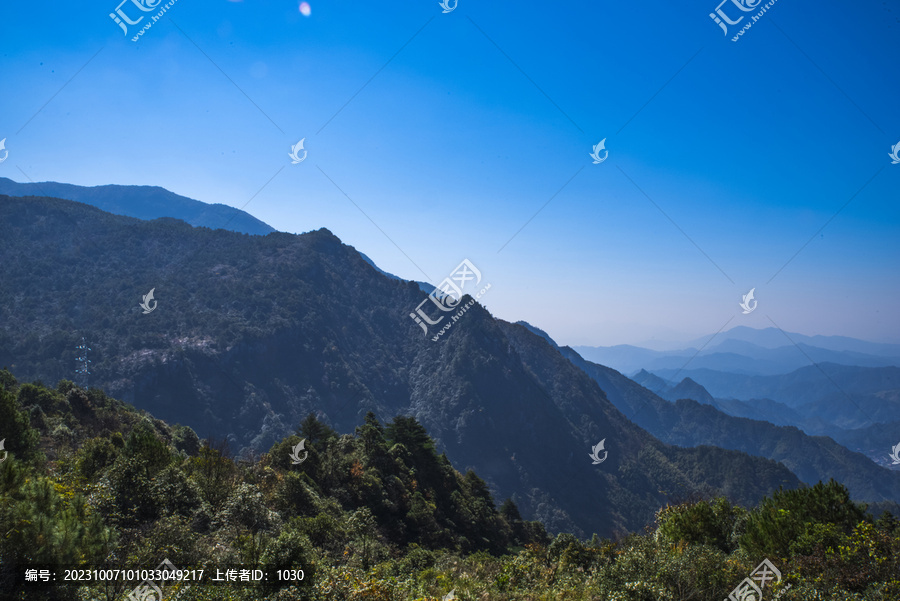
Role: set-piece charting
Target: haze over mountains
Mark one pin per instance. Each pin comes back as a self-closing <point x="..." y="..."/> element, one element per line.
<point x="744" y="350"/>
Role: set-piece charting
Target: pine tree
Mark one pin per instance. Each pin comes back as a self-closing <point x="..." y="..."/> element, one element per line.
<point x="20" y="439"/>
<point x="315" y="431"/>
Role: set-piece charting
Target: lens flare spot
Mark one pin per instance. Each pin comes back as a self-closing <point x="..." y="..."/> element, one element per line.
<point x="305" y="10"/>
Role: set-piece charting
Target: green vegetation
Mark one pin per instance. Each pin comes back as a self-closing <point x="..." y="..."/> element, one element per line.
<point x="377" y="515"/>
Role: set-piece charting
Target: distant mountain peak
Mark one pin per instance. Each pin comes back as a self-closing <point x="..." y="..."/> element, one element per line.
<point x="690" y="389"/>
<point x="651" y="382"/>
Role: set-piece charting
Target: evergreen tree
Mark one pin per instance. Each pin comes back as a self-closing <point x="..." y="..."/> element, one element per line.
<point x="374" y="444"/>
<point x="20" y="438"/>
<point x="315" y="431"/>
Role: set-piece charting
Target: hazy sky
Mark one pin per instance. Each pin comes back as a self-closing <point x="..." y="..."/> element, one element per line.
<point x="435" y="137"/>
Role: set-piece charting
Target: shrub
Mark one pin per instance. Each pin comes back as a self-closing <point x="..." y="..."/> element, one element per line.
<point x="705" y="522"/>
<point x="94" y="456"/>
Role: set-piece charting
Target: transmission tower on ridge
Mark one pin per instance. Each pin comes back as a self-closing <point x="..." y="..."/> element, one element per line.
<point x="84" y="364"/>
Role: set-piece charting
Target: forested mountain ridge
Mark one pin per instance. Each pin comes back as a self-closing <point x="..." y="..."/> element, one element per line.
<point x="249" y="334"/>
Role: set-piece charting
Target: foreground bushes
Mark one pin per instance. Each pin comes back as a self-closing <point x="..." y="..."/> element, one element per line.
<point x="378" y="516"/>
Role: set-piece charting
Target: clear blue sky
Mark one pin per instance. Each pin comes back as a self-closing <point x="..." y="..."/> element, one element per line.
<point x="485" y="114"/>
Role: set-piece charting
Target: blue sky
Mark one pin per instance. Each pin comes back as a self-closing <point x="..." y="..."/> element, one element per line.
<point x="452" y="131"/>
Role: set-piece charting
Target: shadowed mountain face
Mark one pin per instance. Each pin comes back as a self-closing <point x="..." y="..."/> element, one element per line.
<point x="145" y="202"/>
<point x="250" y="334"/>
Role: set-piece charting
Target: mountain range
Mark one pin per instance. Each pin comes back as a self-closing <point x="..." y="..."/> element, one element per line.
<point x="858" y="407"/>
<point x="249" y="334"/>
<point x="848" y="384"/>
<point x="689" y="422"/>
<point x="746" y="351"/>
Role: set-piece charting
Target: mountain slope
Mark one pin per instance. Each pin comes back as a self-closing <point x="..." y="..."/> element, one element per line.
<point x="689" y="423"/>
<point x="250" y="334"/>
<point x="592" y="420"/>
<point x="875" y="441"/>
<point x="144" y="202"/>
